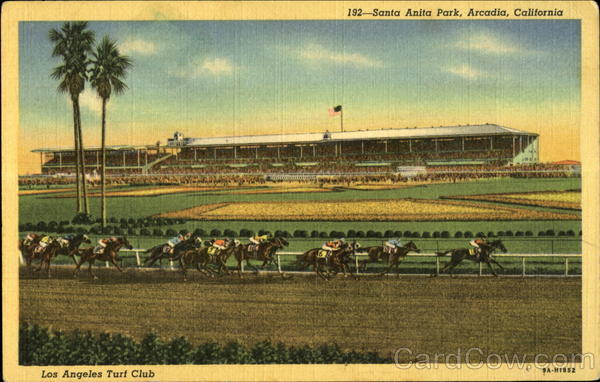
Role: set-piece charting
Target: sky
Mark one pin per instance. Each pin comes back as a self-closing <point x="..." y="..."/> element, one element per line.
<point x="215" y="78"/>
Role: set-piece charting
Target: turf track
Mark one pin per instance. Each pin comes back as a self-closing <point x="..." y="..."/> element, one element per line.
<point x="505" y="315"/>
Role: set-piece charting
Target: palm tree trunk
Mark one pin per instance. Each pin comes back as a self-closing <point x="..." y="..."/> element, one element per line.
<point x="103" y="166"/>
<point x="86" y="206"/>
<point x="78" y="159"/>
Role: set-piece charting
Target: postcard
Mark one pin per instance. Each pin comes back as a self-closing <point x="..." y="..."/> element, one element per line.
<point x="298" y="190"/>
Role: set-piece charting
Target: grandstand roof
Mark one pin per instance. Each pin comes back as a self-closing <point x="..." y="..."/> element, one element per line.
<point x="94" y="148"/>
<point x="406" y="133"/>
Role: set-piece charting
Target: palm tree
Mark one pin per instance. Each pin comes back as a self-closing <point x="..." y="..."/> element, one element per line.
<point x="109" y="67"/>
<point x="72" y="43"/>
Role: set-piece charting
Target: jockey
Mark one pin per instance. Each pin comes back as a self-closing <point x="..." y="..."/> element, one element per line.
<point x="43" y="243"/>
<point x="393" y="243"/>
<point x="256" y="239"/>
<point x="477" y="243"/>
<point x="102" y="243"/>
<point x="31" y="238"/>
<point x="220" y="243"/>
<point x="333" y="245"/>
<point x="65" y="240"/>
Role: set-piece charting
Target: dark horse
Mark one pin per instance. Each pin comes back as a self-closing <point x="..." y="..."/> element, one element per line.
<point x="264" y="252"/>
<point x="203" y="257"/>
<point x="28" y="250"/>
<point x="461" y="254"/>
<point x="392" y="259"/>
<point x="72" y="248"/>
<point x="335" y="261"/>
<point x="108" y="254"/>
<point x="158" y="251"/>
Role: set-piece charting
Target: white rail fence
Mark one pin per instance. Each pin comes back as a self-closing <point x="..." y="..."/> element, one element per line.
<point x="523" y="256"/>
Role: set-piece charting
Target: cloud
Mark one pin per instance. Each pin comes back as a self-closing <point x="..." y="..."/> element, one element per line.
<point x="89" y="100"/>
<point x="489" y="44"/>
<point x="466" y="71"/>
<point x="137" y="45"/>
<point x="315" y="53"/>
<point x="200" y="67"/>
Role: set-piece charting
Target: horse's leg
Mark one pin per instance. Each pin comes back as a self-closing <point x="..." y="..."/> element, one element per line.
<point x="497" y="263"/>
<point x="78" y="265"/>
<point x="239" y="266"/>
<point x="91" y="262"/>
<point x="252" y="266"/>
<point x="114" y="262"/>
<point x="183" y="270"/>
<point x="489" y="264"/>
<point x="391" y="264"/>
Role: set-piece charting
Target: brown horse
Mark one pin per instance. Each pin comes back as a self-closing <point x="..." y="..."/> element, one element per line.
<point x="334" y="261"/>
<point x="108" y="254"/>
<point x="264" y="252"/>
<point x="28" y="250"/>
<point x="392" y="258"/>
<point x="202" y="259"/>
<point x="46" y="256"/>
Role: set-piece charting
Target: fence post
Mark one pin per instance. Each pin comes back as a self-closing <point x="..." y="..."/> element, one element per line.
<point x="21" y="257"/>
<point x="137" y="258"/>
<point x="242" y="266"/>
<point x="523" y="265"/>
<point x="566" y="266"/>
<point x="437" y="265"/>
<point x="107" y="265"/>
<point x="552" y="246"/>
<point x="279" y="263"/>
<point x="480" y="268"/>
<point x="356" y="263"/>
<point x="171" y="264"/>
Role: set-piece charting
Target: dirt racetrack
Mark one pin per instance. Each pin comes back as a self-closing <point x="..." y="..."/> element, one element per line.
<point x="441" y="315"/>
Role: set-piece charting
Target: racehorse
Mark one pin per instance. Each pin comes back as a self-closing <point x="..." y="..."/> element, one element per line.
<point x="46" y="256"/>
<point x="264" y="251"/>
<point x="203" y="257"/>
<point x="108" y="254"/>
<point x="159" y="252"/>
<point x="393" y="259"/>
<point x="458" y="255"/>
<point x="28" y="250"/>
<point x="72" y="248"/>
<point x="337" y="260"/>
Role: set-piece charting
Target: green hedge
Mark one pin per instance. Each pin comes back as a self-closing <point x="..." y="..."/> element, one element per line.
<point x="40" y="347"/>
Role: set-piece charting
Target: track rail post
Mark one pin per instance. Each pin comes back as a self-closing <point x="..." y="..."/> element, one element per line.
<point x="566" y="266"/>
<point x="21" y="258"/>
<point x="107" y="265"/>
<point x="137" y="258"/>
<point x="437" y="265"/>
<point x="356" y="263"/>
<point x="480" y="268"/>
<point x="279" y="263"/>
<point x="523" y="266"/>
<point x="170" y="264"/>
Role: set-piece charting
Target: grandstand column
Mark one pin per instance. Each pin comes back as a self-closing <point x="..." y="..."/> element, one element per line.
<point x="278" y="153"/>
<point x="215" y="152"/>
<point x="300" y="151"/>
<point x="513" y="146"/>
<point x="410" y="145"/>
<point x="59" y="160"/>
<point x="385" y="145"/>
<point x="435" y="142"/>
<point x="138" y="156"/>
<point x="146" y="156"/>
<point x="463" y="143"/>
<point x="97" y="159"/>
<point x="256" y="152"/>
<point x="41" y="159"/>
<point x="362" y="147"/>
<point x="195" y="155"/>
<point x="234" y="152"/>
<point x="123" y="158"/>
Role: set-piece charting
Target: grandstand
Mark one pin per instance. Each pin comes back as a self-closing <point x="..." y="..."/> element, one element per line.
<point x="362" y="151"/>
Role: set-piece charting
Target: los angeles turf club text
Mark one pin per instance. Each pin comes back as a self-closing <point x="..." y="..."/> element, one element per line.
<point x="108" y="373"/>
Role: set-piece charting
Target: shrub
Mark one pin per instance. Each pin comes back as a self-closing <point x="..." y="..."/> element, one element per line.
<point x="300" y="233"/>
<point x="519" y="233"/>
<point x="491" y="234"/>
<point x="407" y="234"/>
<point x="123" y="221"/>
<point x="360" y="234"/>
<point x="41" y="226"/>
<point x="542" y="233"/>
<point x="550" y="232"/>
<point x="230" y="233"/>
<point x="389" y="233"/>
<point x="445" y="234"/>
<point x="131" y="231"/>
<point x="181" y="221"/>
<point x="29" y="227"/>
<point x="171" y="232"/>
<point x="528" y="233"/>
<point x="157" y="232"/>
<point x="570" y="233"/>
<point x="64" y="222"/>
<point x="500" y="233"/>
<point x="145" y="232"/>
<point x="458" y="234"/>
<point x="415" y="234"/>
<point x="480" y="234"/>
<point x="246" y="232"/>
<point x="436" y="234"/>
<point x="108" y="230"/>
<point x="199" y="232"/>
<point x="287" y="235"/>
<point x="561" y="233"/>
<point x="83" y="218"/>
<point x="96" y="229"/>
<point x="509" y="233"/>
<point x="119" y="231"/>
<point x="314" y="233"/>
<point x="215" y="232"/>
<point x="351" y="233"/>
<point x="112" y="220"/>
<point x="131" y="221"/>
<point x="397" y="233"/>
<point x="69" y="229"/>
<point x="123" y="224"/>
<point x="323" y="235"/>
<point x="426" y="235"/>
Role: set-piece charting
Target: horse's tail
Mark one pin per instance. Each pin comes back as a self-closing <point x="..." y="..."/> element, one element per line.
<point x="443" y="253"/>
